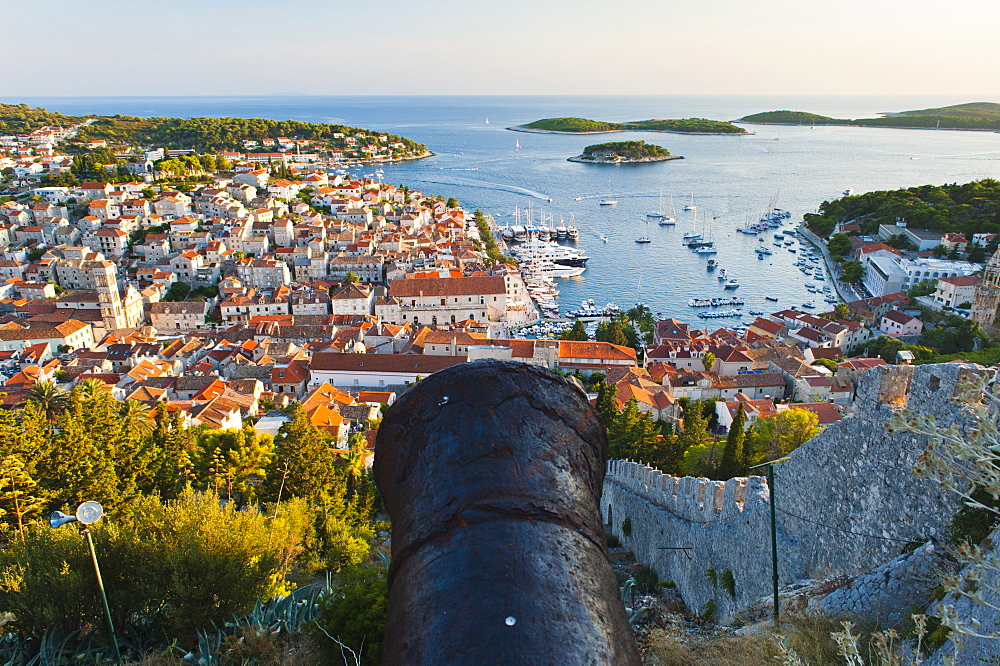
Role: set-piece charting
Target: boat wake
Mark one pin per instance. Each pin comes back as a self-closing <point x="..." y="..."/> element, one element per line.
<point x="466" y="182"/>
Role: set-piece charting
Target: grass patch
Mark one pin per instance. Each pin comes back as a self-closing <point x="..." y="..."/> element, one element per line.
<point x="808" y="636"/>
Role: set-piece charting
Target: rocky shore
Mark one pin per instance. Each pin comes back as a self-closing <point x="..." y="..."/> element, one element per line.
<point x="583" y="159"/>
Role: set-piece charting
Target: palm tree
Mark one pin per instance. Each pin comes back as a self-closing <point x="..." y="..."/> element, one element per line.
<point x="90" y="388"/>
<point x="137" y="417"/>
<point x="51" y="399"/>
<point x="354" y="461"/>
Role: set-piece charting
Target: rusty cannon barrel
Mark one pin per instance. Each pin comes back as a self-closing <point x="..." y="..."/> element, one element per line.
<point x="491" y="472"/>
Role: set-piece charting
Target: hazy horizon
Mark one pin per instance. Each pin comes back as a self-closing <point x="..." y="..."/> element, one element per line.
<point x="778" y="47"/>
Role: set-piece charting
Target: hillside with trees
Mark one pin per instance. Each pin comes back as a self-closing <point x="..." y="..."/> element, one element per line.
<point x="968" y="208"/>
<point x="678" y="125"/>
<point x="200" y="134"/>
<point x="21" y="119"/>
<point x="973" y="116"/>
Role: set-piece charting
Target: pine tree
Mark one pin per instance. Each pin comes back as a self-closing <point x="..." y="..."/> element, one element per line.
<point x="80" y="467"/>
<point x="310" y="460"/>
<point x="18" y="493"/>
<point x="732" y="456"/>
<point x="607" y="405"/>
<point x="578" y="332"/>
<point x="248" y="462"/>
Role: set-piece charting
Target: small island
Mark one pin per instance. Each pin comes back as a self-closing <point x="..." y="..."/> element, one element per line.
<point x="587" y="126"/>
<point x="624" y="152"/>
<point x="984" y="116"/>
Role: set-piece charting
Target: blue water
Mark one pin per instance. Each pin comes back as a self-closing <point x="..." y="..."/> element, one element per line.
<point x="730" y="177"/>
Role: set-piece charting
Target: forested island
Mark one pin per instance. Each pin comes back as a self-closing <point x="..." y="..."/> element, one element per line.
<point x="209" y="135"/>
<point x="972" y="116"/>
<point x="624" y="152"/>
<point x="587" y="126"/>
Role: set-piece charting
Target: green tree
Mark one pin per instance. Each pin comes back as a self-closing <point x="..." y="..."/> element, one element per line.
<point x="452" y="203"/>
<point x="303" y="463"/>
<point x="853" y="271"/>
<point x="922" y="288"/>
<point x="779" y="435"/>
<point x="81" y="466"/>
<point x="841" y="311"/>
<point x="613" y="332"/>
<point x="695" y="426"/>
<point x="633" y="434"/>
<point x="49" y="398"/>
<point x="839" y="245"/>
<point x="606" y="405"/>
<point x="178" y="292"/>
<point x="351" y="278"/>
<point x="732" y="455"/>
<point x="708" y="359"/>
<point x="578" y="332"/>
<point x="19" y="497"/>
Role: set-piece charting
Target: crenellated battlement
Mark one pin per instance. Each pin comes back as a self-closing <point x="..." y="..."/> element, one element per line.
<point x="692" y="498"/>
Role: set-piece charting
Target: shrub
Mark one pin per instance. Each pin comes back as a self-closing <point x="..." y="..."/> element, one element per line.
<point x="355" y="613"/>
<point x="612" y="540"/>
<point x="727" y="582"/>
<point x="647" y="580"/>
<point x="627" y="527"/>
<point x="179" y="565"/>
<point x="709" y="612"/>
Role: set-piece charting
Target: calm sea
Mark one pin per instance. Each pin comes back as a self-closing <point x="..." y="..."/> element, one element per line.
<point x="731" y="178"/>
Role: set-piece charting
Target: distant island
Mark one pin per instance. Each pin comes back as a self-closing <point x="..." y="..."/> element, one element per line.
<point x="204" y="135"/>
<point x="587" y="126"/>
<point x="624" y="152"/>
<point x="972" y="116"/>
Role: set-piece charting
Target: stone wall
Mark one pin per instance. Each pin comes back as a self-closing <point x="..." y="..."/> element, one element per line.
<point x="885" y="597"/>
<point x="846" y="500"/>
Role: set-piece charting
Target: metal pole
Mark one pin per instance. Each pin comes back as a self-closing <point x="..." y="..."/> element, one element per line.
<point x="774" y="544"/>
<point x="774" y="530"/>
<point x="104" y="596"/>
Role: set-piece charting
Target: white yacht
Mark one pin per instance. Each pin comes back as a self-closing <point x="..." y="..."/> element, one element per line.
<point x="536" y="250"/>
<point x="691" y="205"/>
<point x="731" y="283"/>
<point x="572" y="233"/>
<point x="549" y="269"/>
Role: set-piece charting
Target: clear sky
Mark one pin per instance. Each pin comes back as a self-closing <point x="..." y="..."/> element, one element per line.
<point x="250" y="47"/>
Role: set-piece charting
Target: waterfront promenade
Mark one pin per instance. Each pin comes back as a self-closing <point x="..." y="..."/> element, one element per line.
<point x="844" y="290"/>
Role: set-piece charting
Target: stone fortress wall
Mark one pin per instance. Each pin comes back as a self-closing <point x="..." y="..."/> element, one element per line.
<point x="846" y="500"/>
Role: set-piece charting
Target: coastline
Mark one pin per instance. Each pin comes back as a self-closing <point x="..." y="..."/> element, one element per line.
<point x="932" y="129"/>
<point x="642" y="160"/>
<point x="532" y="130"/>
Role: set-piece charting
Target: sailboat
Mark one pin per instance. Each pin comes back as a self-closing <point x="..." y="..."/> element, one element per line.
<point x="659" y="210"/>
<point x="671" y="217"/>
<point x="487" y="121"/>
<point x="517" y="144"/>
<point x="609" y="201"/>
<point x="643" y="238"/>
<point x="691" y="205"/>
<point x="693" y="235"/>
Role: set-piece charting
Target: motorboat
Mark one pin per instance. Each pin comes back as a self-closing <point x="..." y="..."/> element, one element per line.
<point x="731" y="283"/>
<point x="642" y="240"/>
